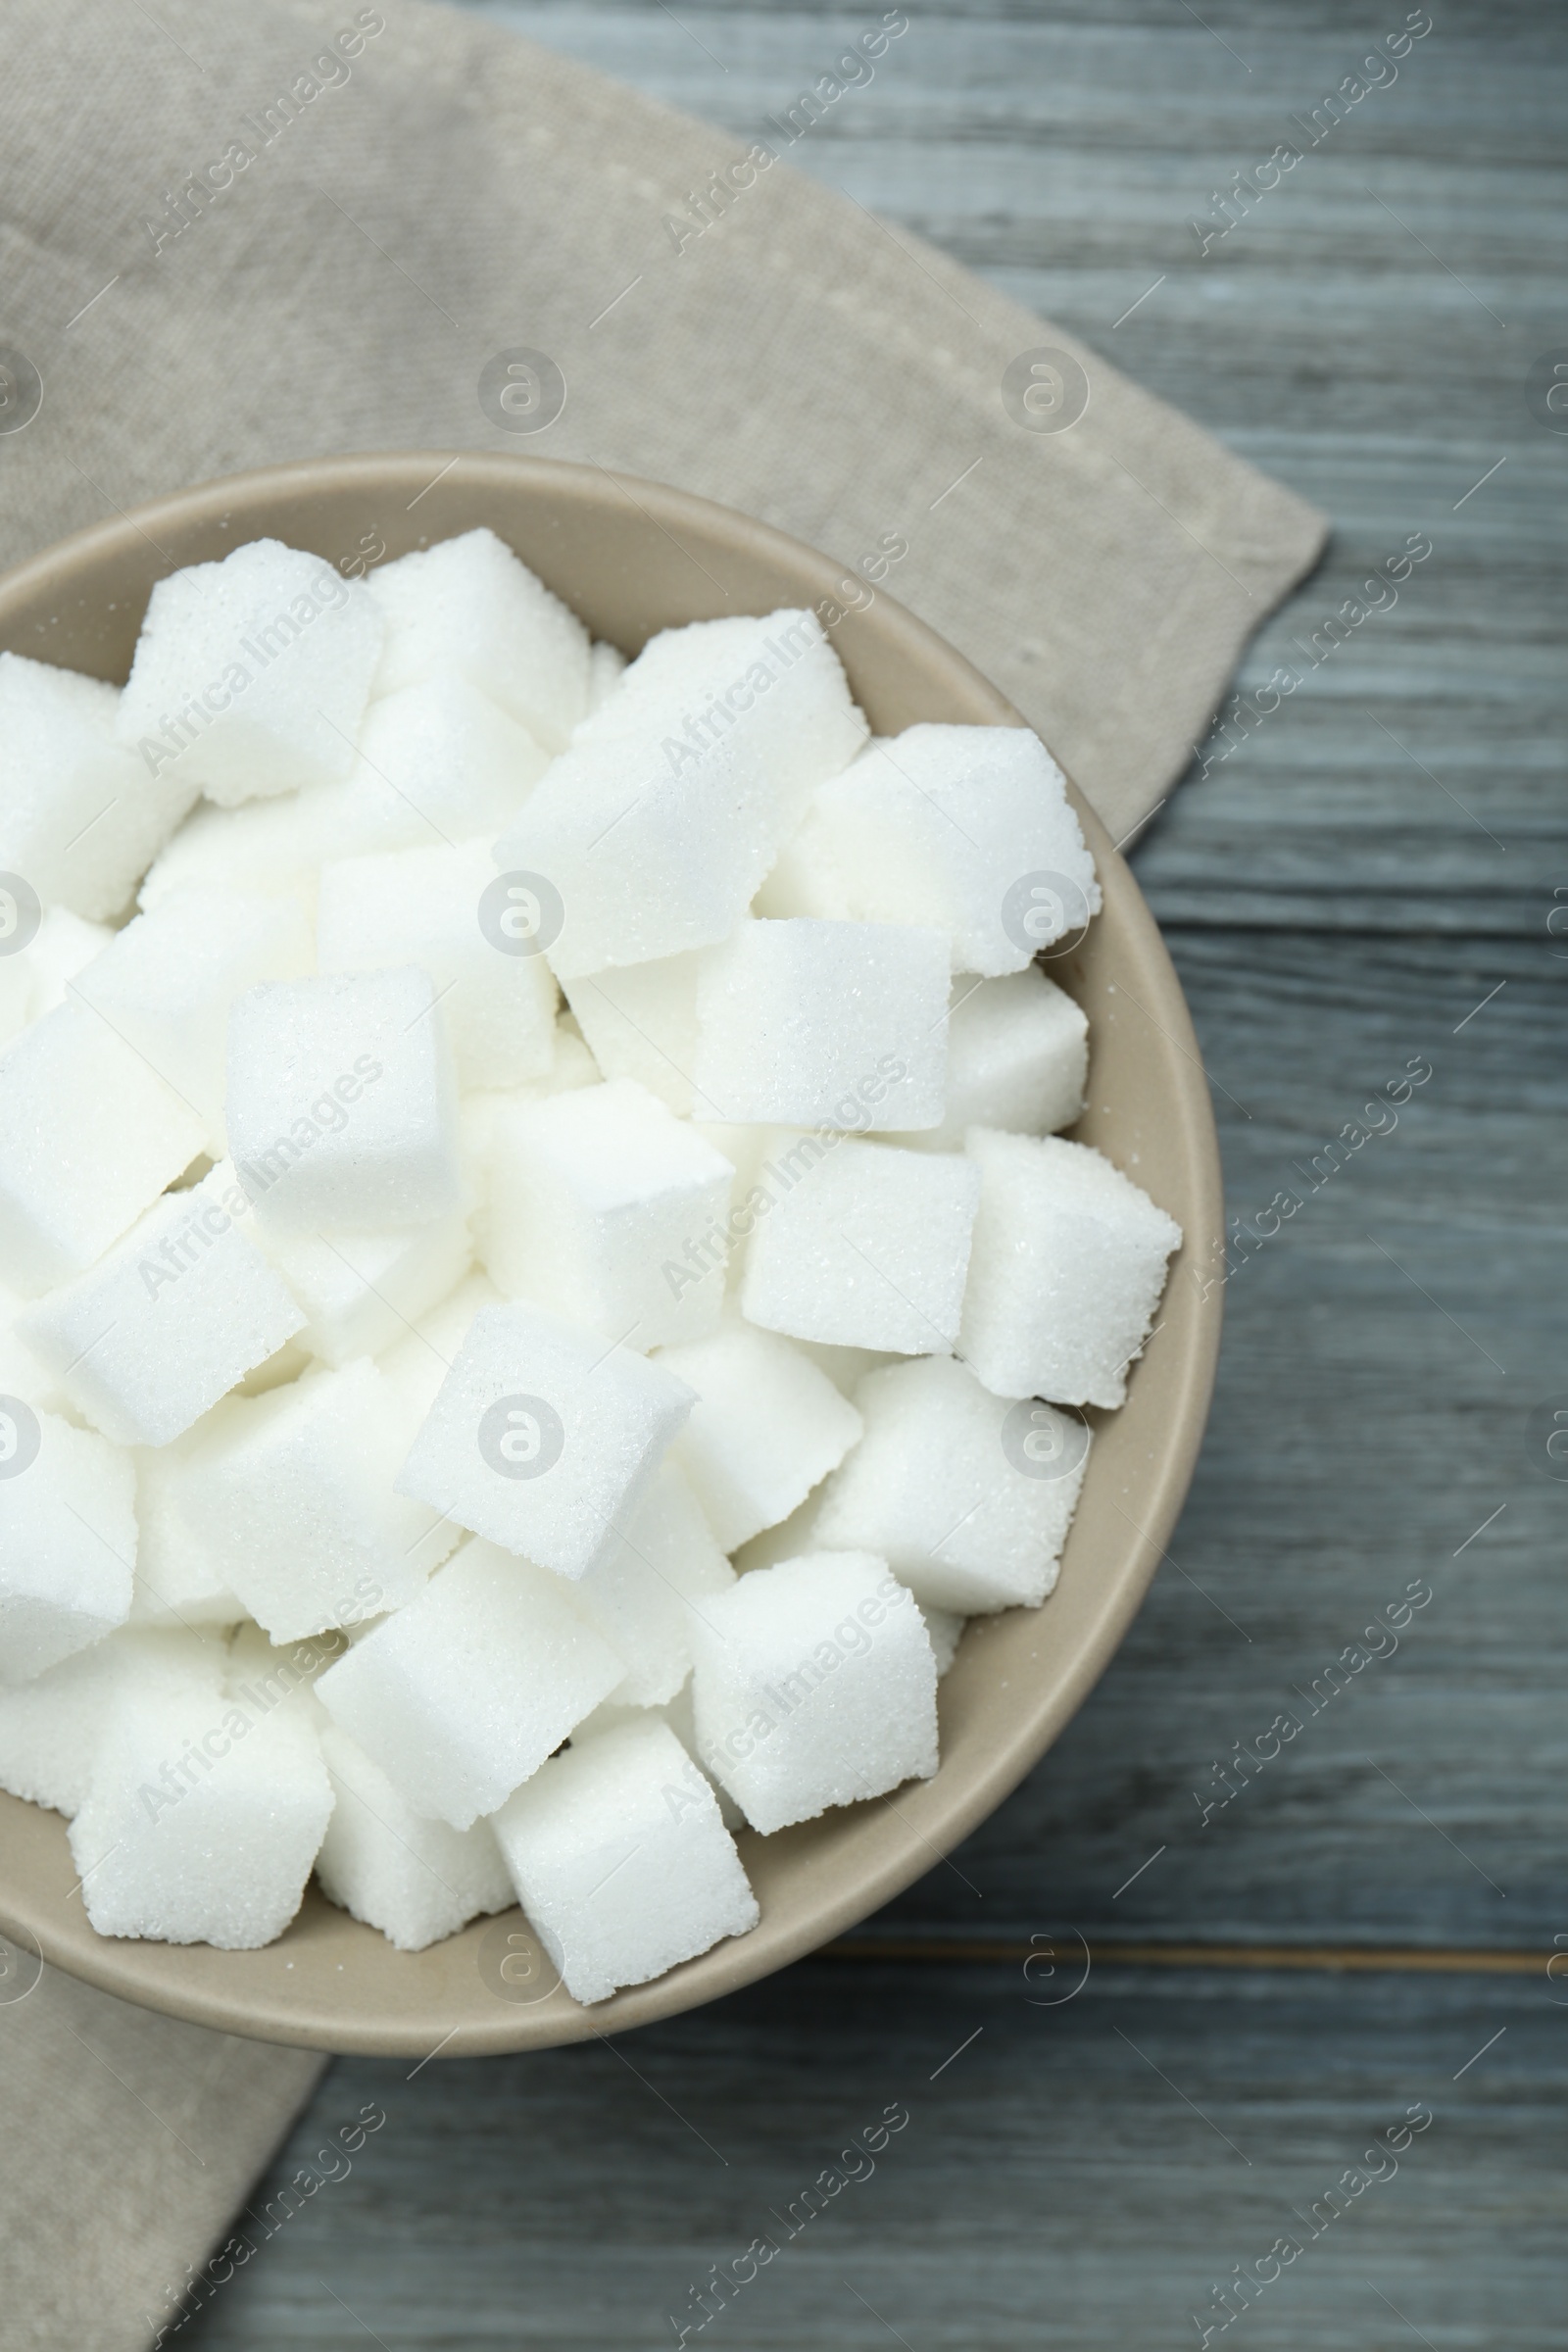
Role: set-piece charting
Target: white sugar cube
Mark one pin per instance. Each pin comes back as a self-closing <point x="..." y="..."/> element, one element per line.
<point x="292" y="1495"/>
<point x="772" y="690"/>
<point x="680" y="1715"/>
<point x="606" y="1208"/>
<point x="150" y="1338"/>
<point x="826" y="1024"/>
<point x="815" y="1685"/>
<point x="943" y="1630"/>
<point x="468" y="604"/>
<point x="665" y="1563"/>
<point x="342" y="1105"/>
<point x="640" y="1020"/>
<point x="846" y="1367"/>
<point x="415" y="1880"/>
<point x="767" y="1428"/>
<point x="966" y="1496"/>
<point x="465" y="1692"/>
<point x="251" y="675"/>
<point x="89" y="1135"/>
<point x="22" y="1373"/>
<point x="16" y="980"/>
<point x="542" y="1438"/>
<point x="261" y="1675"/>
<point x="50" y="1728"/>
<point x="177" y="1583"/>
<point x="622" y="1861"/>
<point x="1066" y="1271"/>
<point x="81" y="818"/>
<point x="434" y="907"/>
<point x="68" y="1540"/>
<point x="202" y="1819"/>
<point x="63" y="946"/>
<point x="360" y="1292"/>
<point x="969" y="829"/>
<point x="656" y="827"/>
<point x="606" y="663"/>
<point x="628" y="857"/>
<point x="439" y="762"/>
<point x="167" y="982"/>
<point x="422" y="1359"/>
<point x="1017" y="1058"/>
<point x="868" y="1248"/>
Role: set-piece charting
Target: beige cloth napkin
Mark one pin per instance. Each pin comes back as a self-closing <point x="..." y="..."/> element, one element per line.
<point x="235" y="231"/>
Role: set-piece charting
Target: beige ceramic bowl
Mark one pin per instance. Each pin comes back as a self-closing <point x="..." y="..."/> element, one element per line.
<point x="632" y="558"/>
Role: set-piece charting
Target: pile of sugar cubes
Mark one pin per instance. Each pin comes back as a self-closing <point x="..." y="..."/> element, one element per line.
<point x="541" y="1284"/>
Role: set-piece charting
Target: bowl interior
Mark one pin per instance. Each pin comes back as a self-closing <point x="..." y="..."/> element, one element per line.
<point x="631" y="558"/>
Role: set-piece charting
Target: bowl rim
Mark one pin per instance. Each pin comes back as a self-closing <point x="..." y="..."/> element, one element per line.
<point x="142" y="1972"/>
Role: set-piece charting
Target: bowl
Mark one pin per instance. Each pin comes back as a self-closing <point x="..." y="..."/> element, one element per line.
<point x="633" y="556"/>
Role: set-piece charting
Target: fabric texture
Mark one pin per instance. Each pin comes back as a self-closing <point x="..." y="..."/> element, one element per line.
<point x="238" y="231"/>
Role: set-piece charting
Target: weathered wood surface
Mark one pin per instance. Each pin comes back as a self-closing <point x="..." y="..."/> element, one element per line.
<point x="1079" y="2176"/>
<point x="1341" y="893"/>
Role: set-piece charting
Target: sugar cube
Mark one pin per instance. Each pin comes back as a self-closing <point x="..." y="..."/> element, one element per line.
<point x="648" y="852"/>
<point x="434" y="907"/>
<point x="165" y="983"/>
<point x="438" y="762"/>
<point x="291" y="1492"/>
<point x="772" y="690"/>
<point x="624" y="856"/>
<point x="1017" y="1058"/>
<point x="846" y="1367"/>
<point x="824" y="1023"/>
<point x="680" y="1715"/>
<point x="606" y="1208"/>
<point x="1066" y="1270"/>
<point x="462" y="1693"/>
<point x="815" y="1685"/>
<point x="89" y="1135"/>
<point x="468" y="604"/>
<point x="423" y="1356"/>
<point x="62" y="947"/>
<point x="202" y="1819"/>
<point x="967" y="829"/>
<point x="415" y="1880"/>
<point x="943" y="1630"/>
<point x="360" y="1292"/>
<point x="622" y="1861"/>
<point x="767" y="1428"/>
<point x="966" y="1496"/>
<point x="665" y="1563"/>
<point x="50" y="1728"/>
<point x="22" y="1373"/>
<point x="251" y="675"/>
<point x="177" y="1583"/>
<point x="868" y="1248"/>
<point x="606" y="663"/>
<point x="81" y="818"/>
<point x="640" y="1020"/>
<point x="163" y="1326"/>
<point x="542" y="1436"/>
<point x="342" y="1104"/>
<point x="68" y="1539"/>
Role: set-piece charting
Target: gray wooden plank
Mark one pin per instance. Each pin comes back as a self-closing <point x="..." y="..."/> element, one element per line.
<point x="1076" y="2174"/>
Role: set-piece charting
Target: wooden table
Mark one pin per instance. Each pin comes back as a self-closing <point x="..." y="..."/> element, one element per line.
<point x="1366" y="880"/>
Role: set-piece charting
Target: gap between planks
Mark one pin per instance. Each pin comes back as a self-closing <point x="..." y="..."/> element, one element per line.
<point x="1391" y="1959"/>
